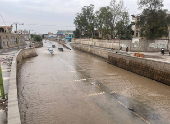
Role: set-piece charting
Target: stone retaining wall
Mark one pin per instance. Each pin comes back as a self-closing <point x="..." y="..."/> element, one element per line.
<point x="99" y="43"/>
<point x="37" y="44"/>
<point x="94" y="50"/>
<point x="13" y="109"/>
<point x="156" y="70"/>
<point x="145" y="45"/>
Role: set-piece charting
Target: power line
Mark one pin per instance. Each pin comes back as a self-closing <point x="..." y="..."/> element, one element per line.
<point x="3" y="19"/>
<point x="47" y="25"/>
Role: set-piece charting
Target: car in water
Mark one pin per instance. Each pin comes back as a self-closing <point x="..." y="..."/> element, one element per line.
<point x="48" y="47"/>
<point x="51" y="50"/>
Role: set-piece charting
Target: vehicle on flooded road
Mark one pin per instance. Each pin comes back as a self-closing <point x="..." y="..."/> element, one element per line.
<point x="48" y="47"/>
<point x="51" y="51"/>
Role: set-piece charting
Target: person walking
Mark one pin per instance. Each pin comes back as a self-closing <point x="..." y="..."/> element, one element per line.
<point x="162" y="51"/>
<point x="126" y="49"/>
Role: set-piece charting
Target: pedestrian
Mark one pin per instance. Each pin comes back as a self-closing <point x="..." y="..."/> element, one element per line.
<point x="113" y="49"/>
<point x="162" y="51"/>
<point x="121" y="48"/>
<point x="126" y="49"/>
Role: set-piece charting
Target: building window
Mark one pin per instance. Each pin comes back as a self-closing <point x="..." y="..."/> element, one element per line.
<point x="137" y="34"/>
<point x="4" y="42"/>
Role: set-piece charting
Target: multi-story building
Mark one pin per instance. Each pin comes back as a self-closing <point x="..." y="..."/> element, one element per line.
<point x="153" y="45"/>
<point x="7" y="39"/>
<point x="67" y="35"/>
<point x="49" y="35"/>
<point x="25" y="33"/>
<point x="137" y="18"/>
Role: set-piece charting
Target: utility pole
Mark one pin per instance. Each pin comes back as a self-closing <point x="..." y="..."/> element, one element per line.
<point x="1" y="85"/>
<point x="16" y="23"/>
<point x="139" y="37"/>
<point x="30" y="36"/>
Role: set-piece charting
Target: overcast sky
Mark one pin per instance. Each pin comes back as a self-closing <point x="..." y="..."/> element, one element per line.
<point x="45" y="16"/>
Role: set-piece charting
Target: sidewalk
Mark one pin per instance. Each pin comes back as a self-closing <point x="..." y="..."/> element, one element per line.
<point x="157" y="56"/>
<point x="6" y="57"/>
<point x="154" y="56"/>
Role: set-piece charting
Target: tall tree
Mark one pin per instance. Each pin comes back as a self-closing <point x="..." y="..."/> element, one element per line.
<point x="80" y="23"/>
<point x="153" y="22"/>
<point x="123" y="29"/>
<point x="117" y="9"/>
<point x="76" y="33"/>
<point x="103" y="20"/>
<point x="150" y="4"/>
<point x="84" y="21"/>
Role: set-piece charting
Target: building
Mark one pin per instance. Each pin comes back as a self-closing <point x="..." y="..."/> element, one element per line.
<point x="7" y="39"/>
<point x="27" y="35"/>
<point x="149" y="45"/>
<point x="5" y="29"/>
<point x="49" y="35"/>
<point x="67" y="35"/>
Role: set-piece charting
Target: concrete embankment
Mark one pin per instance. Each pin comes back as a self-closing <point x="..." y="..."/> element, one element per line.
<point x="102" y="52"/>
<point x="13" y="109"/>
<point x="133" y="45"/>
<point x="37" y="44"/>
<point x="156" y="70"/>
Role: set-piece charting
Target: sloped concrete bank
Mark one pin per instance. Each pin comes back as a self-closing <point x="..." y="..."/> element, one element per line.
<point x="13" y="109"/>
<point x="102" y="52"/>
<point x="156" y="70"/>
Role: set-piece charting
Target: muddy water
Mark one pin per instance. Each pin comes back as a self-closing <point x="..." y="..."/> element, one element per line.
<point x="73" y="87"/>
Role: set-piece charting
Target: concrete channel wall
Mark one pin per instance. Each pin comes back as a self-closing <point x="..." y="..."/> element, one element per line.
<point x="13" y="109"/>
<point x="156" y="70"/>
<point x="145" y="45"/>
<point x="93" y="50"/>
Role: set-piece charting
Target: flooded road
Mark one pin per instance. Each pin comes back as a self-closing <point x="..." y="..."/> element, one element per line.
<point x="73" y="87"/>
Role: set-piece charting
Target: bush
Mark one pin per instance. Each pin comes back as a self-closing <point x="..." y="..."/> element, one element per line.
<point x="37" y="38"/>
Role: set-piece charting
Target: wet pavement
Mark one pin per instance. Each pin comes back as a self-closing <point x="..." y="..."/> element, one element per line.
<point x="6" y="57"/>
<point x="73" y="87"/>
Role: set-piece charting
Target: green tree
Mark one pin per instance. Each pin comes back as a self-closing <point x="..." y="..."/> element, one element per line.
<point x="117" y="10"/>
<point x="153" y="22"/>
<point x="37" y="38"/>
<point x="103" y="20"/>
<point x="32" y="36"/>
<point x="84" y="21"/>
<point x="123" y="29"/>
<point x="150" y="4"/>
<point x="79" y="22"/>
<point x="76" y="33"/>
